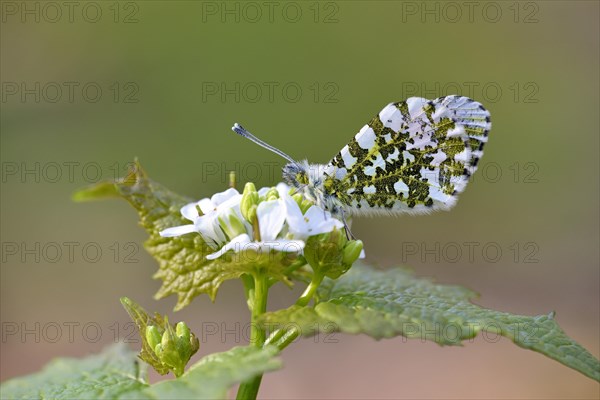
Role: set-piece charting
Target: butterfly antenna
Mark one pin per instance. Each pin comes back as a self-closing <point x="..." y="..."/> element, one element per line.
<point x="237" y="128"/>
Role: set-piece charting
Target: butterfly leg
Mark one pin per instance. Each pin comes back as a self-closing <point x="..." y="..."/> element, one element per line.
<point x="349" y="234"/>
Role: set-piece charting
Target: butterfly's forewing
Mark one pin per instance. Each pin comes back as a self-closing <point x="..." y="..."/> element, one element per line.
<point x="414" y="156"/>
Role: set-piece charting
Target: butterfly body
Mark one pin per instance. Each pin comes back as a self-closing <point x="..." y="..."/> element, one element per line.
<point x="414" y="156"/>
<point x="316" y="182"/>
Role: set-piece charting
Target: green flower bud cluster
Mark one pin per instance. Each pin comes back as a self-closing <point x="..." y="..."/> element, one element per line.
<point x="249" y="202"/>
<point x="248" y="207"/>
<point x="271" y="194"/>
<point x="332" y="254"/>
<point x="303" y="203"/>
<point x="173" y="347"/>
<point x="163" y="347"/>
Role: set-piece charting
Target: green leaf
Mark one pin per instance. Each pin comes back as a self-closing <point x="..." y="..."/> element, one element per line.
<point x="117" y="374"/>
<point x="101" y="190"/>
<point x="183" y="267"/>
<point x="385" y="304"/>
<point x="212" y="376"/>
<point x="101" y="376"/>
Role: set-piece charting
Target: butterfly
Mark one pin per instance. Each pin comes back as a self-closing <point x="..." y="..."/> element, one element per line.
<point x="415" y="156"/>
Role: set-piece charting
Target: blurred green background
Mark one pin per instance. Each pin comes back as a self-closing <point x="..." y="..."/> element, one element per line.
<point x="88" y="86"/>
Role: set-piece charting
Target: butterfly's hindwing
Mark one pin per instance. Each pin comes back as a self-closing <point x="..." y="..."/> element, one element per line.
<point x="414" y="156"/>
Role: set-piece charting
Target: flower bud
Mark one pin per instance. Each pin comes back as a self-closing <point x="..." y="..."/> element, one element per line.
<point x="177" y="347"/>
<point x="231" y="224"/>
<point x="158" y="350"/>
<point x="303" y="203"/>
<point x="167" y="352"/>
<point x="272" y="194"/>
<point x="182" y="331"/>
<point x="166" y="348"/>
<point x="152" y="336"/>
<point x="249" y="202"/>
<point x="188" y="343"/>
<point x="298" y="198"/>
<point x="352" y="251"/>
<point x="332" y="254"/>
<point x="232" y="180"/>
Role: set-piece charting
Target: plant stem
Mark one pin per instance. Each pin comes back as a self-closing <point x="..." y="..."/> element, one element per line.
<point x="310" y="289"/>
<point x="283" y="338"/>
<point x="248" y="390"/>
<point x="257" y="333"/>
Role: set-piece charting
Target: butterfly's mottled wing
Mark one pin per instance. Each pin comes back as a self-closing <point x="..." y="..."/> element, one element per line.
<point x="415" y="156"/>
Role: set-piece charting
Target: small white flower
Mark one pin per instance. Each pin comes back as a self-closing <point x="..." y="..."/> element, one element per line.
<point x="314" y="222"/>
<point x="271" y="218"/>
<point x="220" y="218"/>
<point x="207" y="225"/>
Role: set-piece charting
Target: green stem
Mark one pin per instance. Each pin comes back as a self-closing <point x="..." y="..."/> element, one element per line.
<point x="282" y="338"/>
<point x="261" y="290"/>
<point x="294" y="266"/>
<point x="310" y="289"/>
<point x="248" y="390"/>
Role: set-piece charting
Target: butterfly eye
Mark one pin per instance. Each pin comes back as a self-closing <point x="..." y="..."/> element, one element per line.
<point x="328" y="185"/>
<point x="302" y="178"/>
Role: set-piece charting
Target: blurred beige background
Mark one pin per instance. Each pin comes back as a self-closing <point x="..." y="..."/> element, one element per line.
<point x="87" y="86"/>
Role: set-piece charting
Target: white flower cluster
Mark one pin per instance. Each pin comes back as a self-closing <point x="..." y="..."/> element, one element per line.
<point x="281" y="224"/>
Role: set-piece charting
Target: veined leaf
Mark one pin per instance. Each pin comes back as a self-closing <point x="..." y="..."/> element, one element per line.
<point x="117" y="374"/>
<point x="101" y="376"/>
<point x="213" y="375"/>
<point x="384" y="304"/>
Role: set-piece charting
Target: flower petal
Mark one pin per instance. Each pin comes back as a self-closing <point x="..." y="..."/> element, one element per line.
<point x="207" y="206"/>
<point x="292" y="208"/>
<point x="316" y="214"/>
<point x="208" y="227"/>
<point x="320" y="221"/>
<point x="263" y="191"/>
<point x="283" y="189"/>
<point x="295" y="219"/>
<point x="189" y="211"/>
<point x="178" y="230"/>
<point x="219" y="198"/>
<point x="232" y="202"/>
<point x="235" y="244"/>
<point x="271" y="216"/>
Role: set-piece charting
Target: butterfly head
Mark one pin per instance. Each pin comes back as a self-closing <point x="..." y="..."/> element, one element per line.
<point x="308" y="179"/>
<point x="303" y="178"/>
<point x="314" y="182"/>
<point x="295" y="175"/>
